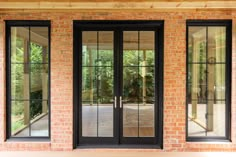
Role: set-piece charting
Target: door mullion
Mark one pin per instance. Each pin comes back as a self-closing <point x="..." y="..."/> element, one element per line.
<point x="120" y="66"/>
<point x="116" y="83"/>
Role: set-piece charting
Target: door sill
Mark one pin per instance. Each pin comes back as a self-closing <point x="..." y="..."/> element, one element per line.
<point x="118" y="146"/>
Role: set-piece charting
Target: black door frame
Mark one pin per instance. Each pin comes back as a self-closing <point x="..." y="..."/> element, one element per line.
<point x="117" y="27"/>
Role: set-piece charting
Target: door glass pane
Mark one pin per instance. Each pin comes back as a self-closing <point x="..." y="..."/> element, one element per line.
<point x="146" y="104"/>
<point x="130" y="119"/>
<point x="138" y="84"/>
<point x="89" y="48"/>
<point x="130" y="48"/>
<point x="146" y="48"/>
<point x="97" y="84"/>
<point x="130" y="101"/>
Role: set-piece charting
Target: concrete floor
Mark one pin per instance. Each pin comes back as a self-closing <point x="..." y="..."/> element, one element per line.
<point x="218" y="121"/>
<point x="114" y="153"/>
<point x="101" y="119"/>
<point x="105" y="121"/>
<point x="38" y="128"/>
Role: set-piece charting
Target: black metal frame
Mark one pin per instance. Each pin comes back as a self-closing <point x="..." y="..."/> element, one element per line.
<point x="228" y="25"/>
<point x="24" y="23"/>
<point x="117" y="27"/>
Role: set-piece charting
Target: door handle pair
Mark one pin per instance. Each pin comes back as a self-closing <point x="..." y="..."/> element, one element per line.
<point x="120" y="102"/>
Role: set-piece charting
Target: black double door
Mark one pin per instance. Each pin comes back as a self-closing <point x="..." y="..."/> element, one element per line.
<point x="119" y="83"/>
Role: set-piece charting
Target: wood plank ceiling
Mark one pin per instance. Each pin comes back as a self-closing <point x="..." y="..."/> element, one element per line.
<point x="117" y="4"/>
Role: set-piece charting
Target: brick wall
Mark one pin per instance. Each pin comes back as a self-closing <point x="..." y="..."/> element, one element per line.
<point x="61" y="75"/>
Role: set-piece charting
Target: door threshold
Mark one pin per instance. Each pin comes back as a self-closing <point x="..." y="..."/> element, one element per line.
<point x="118" y="146"/>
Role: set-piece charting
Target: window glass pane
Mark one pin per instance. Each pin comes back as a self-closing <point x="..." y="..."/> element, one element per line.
<point x="20" y="81"/>
<point x="197" y="82"/>
<point x="20" y="118"/>
<point x="216" y="81"/>
<point x="206" y="82"/>
<point x="196" y="118"/>
<point x="39" y="81"/>
<point x="220" y="81"/>
<point x="29" y="81"/>
<point x="216" y="44"/>
<point x="39" y="44"/>
<point x="39" y="118"/>
<point x="216" y="118"/>
<point x="197" y="44"/>
<point x="19" y="44"/>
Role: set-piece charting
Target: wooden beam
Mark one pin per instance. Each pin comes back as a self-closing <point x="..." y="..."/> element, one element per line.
<point x="151" y="5"/>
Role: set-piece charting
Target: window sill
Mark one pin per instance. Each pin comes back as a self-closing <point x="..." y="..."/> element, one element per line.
<point x="208" y="141"/>
<point x="25" y="139"/>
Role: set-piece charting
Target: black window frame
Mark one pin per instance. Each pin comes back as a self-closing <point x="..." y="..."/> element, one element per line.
<point x="25" y="23"/>
<point x="228" y="65"/>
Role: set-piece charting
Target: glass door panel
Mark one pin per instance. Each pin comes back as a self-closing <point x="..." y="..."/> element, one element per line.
<point x="97" y="83"/>
<point x="116" y="91"/>
<point x="138" y="84"/>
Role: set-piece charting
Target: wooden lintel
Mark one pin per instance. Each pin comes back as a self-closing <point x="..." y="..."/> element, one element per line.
<point x="120" y="5"/>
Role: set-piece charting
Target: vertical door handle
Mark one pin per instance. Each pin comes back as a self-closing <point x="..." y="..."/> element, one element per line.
<point x="120" y="101"/>
<point x="115" y="101"/>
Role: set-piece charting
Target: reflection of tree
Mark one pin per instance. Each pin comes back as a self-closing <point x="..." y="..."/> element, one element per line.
<point x="98" y="77"/>
<point x="133" y="89"/>
<point x="133" y="81"/>
<point x="104" y="80"/>
<point x="102" y="76"/>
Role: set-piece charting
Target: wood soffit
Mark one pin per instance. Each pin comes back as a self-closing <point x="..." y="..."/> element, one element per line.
<point x="117" y="4"/>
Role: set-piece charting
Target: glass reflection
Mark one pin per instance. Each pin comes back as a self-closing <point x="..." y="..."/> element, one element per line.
<point x="29" y="81"/>
<point x="206" y="81"/>
<point x="138" y="84"/>
<point x="97" y="84"/>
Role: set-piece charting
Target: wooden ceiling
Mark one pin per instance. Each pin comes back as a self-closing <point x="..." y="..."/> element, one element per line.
<point x="111" y="0"/>
<point x="117" y="4"/>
